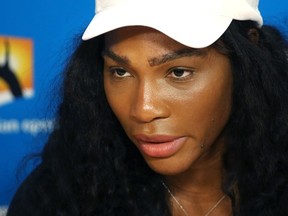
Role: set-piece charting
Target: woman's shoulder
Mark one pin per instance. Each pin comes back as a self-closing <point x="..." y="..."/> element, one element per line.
<point x="34" y="193"/>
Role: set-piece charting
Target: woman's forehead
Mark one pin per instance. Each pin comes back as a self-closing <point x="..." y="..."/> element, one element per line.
<point x="160" y="48"/>
<point x="137" y="32"/>
<point x="140" y="37"/>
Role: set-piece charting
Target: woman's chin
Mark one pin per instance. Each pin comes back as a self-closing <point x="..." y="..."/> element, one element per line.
<point x="167" y="166"/>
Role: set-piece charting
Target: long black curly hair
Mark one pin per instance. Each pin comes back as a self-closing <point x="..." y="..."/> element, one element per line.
<point x="90" y="168"/>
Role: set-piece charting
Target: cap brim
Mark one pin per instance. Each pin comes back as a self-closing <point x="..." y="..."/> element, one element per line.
<point x="191" y="29"/>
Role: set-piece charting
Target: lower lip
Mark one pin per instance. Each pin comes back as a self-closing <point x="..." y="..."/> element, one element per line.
<point x="162" y="150"/>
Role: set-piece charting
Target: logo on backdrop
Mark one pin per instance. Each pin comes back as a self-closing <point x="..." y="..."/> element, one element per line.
<point x="16" y="69"/>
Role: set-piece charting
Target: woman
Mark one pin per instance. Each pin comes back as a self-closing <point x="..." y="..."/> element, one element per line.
<point x="185" y="114"/>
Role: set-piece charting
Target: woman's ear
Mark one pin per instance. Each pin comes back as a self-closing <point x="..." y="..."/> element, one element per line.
<point x="253" y="35"/>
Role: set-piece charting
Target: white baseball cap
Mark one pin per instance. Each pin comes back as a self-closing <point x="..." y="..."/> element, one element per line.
<point x="194" y="23"/>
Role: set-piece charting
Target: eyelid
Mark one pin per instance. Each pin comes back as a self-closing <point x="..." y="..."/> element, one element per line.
<point x="113" y="70"/>
<point x="189" y="76"/>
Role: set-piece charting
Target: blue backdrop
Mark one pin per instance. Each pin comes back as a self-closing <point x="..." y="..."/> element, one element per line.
<point x="35" y="39"/>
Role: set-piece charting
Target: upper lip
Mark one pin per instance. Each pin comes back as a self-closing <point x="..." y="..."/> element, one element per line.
<point x="159" y="138"/>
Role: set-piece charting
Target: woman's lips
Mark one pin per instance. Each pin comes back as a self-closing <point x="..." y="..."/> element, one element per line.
<point x="160" y="146"/>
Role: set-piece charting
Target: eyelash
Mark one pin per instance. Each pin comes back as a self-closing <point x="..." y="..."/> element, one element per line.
<point x="189" y="73"/>
<point x="115" y="71"/>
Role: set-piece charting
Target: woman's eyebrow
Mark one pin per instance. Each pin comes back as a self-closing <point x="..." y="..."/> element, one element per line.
<point x="175" y="55"/>
<point x="115" y="57"/>
<point x="159" y="59"/>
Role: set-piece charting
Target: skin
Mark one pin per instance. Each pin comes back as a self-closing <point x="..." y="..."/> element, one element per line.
<point x="157" y="86"/>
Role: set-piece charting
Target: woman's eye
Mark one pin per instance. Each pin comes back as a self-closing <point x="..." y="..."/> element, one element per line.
<point x="120" y="72"/>
<point x="180" y="73"/>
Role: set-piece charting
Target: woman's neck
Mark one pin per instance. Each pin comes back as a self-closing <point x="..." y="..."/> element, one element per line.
<point x="200" y="188"/>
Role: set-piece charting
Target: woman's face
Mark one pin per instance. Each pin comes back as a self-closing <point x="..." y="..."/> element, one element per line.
<point x="172" y="101"/>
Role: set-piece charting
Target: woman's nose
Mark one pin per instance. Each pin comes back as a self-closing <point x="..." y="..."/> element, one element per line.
<point x="148" y="103"/>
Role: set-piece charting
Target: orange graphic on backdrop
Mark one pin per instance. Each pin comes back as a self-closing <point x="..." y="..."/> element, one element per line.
<point x="16" y="68"/>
